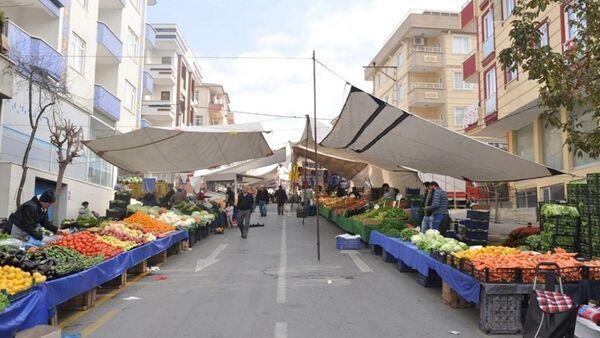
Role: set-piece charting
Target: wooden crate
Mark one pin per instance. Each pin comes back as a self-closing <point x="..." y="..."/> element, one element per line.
<point x="118" y="282"/>
<point x="81" y="302"/>
<point x="184" y="245"/>
<point x="174" y="249"/>
<point x="452" y="299"/>
<point x="139" y="269"/>
<point x="159" y="258"/>
<point x="53" y="321"/>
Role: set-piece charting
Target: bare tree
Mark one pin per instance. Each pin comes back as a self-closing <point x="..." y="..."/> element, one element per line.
<point x="67" y="138"/>
<point x="44" y="92"/>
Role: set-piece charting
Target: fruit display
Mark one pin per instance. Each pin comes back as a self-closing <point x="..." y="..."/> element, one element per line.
<point x="14" y="280"/>
<point x="89" y="245"/>
<point x="123" y="233"/>
<point x="432" y="241"/>
<point x="483" y="251"/>
<point x="148" y="224"/>
<point x="28" y="261"/>
<point x="125" y="245"/>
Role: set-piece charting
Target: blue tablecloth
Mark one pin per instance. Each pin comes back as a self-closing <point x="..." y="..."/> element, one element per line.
<point x="464" y="285"/>
<point x="37" y="306"/>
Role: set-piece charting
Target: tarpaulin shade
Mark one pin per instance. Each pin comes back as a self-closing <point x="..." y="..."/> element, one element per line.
<point x="243" y="168"/>
<point x="390" y="138"/>
<point x="181" y="149"/>
<point x="340" y="166"/>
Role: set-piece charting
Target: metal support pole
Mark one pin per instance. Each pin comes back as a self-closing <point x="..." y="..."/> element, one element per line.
<point x="305" y="180"/>
<point x="316" y="153"/>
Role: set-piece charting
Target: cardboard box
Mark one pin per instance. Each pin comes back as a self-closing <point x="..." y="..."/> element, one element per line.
<point x="40" y="331"/>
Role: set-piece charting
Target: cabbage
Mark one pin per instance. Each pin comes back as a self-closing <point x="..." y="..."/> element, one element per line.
<point x="416" y="239"/>
<point x="431" y="232"/>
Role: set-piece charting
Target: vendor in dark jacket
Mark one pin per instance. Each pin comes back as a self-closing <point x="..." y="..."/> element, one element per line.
<point x="245" y="206"/>
<point x="31" y="216"/>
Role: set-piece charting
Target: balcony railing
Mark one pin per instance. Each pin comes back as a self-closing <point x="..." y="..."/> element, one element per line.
<point x="53" y="6"/>
<point x="6" y="77"/>
<point x="467" y="14"/>
<point x="107" y="103"/>
<point x="426" y="49"/>
<point x="148" y="82"/>
<point x="110" y="41"/>
<point x="488" y="46"/>
<point x="30" y="52"/>
<point x="150" y="35"/>
<point x="490" y="104"/>
<point x="426" y="85"/>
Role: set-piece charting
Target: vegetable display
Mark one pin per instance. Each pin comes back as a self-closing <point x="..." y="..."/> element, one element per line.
<point x="27" y="261"/>
<point x="148" y="224"/>
<point x="69" y="261"/>
<point x="123" y="233"/>
<point x="4" y="302"/>
<point x="432" y="241"/>
<point x="89" y="245"/>
<point x="407" y="233"/>
<point x="125" y="245"/>
<point x="556" y="210"/>
<point x="391" y="227"/>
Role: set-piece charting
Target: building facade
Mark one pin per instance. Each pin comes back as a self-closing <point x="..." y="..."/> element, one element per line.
<point x="419" y="69"/>
<point x="508" y="100"/>
<point x="212" y="106"/>
<point x="173" y="70"/>
<point x="95" y="49"/>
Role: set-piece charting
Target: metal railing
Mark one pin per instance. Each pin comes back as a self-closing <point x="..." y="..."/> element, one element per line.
<point x="426" y="49"/>
<point x="110" y="40"/>
<point x="490" y="104"/>
<point x="488" y="46"/>
<point x="426" y="85"/>
<point x="107" y="102"/>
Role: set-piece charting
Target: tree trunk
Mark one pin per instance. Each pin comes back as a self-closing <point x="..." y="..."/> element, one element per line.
<point x="59" y="179"/>
<point x="29" y="144"/>
<point x="496" y="206"/>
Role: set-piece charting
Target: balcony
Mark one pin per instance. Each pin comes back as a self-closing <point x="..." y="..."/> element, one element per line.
<point x="470" y="69"/>
<point x="160" y="113"/>
<point x="30" y="52"/>
<point x="6" y="77"/>
<point x="110" y="48"/>
<point x="488" y="47"/>
<point x="490" y="105"/>
<point x="106" y="103"/>
<point x="425" y="59"/>
<point x="148" y="83"/>
<point x="467" y="14"/>
<point x="150" y="35"/>
<point x="112" y="4"/>
<point x="426" y="94"/>
<point x="51" y="7"/>
<point x="163" y="74"/>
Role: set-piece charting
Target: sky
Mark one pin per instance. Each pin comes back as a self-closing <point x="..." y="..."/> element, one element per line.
<point x="345" y="35"/>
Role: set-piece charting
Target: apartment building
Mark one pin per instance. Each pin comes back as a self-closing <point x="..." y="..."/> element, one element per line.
<point x="212" y="106"/>
<point x="175" y="73"/>
<point x="508" y="100"/>
<point x="419" y="68"/>
<point x="95" y="48"/>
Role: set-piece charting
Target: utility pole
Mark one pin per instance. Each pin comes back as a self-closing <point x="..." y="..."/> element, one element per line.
<point x="316" y="153"/>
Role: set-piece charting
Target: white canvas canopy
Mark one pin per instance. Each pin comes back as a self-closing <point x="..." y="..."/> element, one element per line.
<point x="182" y="149"/>
<point x="380" y="134"/>
<point x="242" y="169"/>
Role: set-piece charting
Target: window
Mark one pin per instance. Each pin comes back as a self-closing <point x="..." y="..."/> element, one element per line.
<point x="587" y="124"/>
<point x="83" y="3"/>
<point x="571" y="30"/>
<point x="132" y="45"/>
<point x="527" y="198"/>
<point x="400" y="92"/>
<point x="553" y="193"/>
<point x="490" y="91"/>
<point x="508" y="6"/>
<point x="488" y="33"/>
<point x="459" y="83"/>
<point x="552" y="146"/>
<point x="130" y="97"/>
<point x="400" y="58"/>
<point x="544" y="37"/>
<point x="165" y="96"/>
<point x="198" y="120"/>
<point x="166" y="60"/>
<point x="511" y="73"/>
<point x="459" y="116"/>
<point x="77" y="51"/>
<point x="461" y="45"/>
<point x="524" y="146"/>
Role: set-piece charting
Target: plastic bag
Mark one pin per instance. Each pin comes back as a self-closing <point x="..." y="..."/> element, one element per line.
<point x="13" y="242"/>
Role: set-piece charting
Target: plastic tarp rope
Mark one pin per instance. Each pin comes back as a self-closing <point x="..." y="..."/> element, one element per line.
<point x="380" y="134"/>
<point x="181" y="149"/>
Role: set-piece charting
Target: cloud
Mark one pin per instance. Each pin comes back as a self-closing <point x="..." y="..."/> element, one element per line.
<point x="345" y="39"/>
<point x="276" y="39"/>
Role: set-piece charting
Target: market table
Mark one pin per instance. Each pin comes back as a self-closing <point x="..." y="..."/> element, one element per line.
<point x="37" y="305"/>
<point x="464" y="285"/>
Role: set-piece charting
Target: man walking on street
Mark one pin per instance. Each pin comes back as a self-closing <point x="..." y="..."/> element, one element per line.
<point x="281" y="198"/>
<point x="245" y="206"/>
<point x="262" y="197"/>
<point x="438" y="207"/>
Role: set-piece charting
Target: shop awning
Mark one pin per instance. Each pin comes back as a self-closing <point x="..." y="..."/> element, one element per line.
<point x="183" y="149"/>
<point x="341" y="166"/>
<point x="513" y="121"/>
<point x="390" y="138"/>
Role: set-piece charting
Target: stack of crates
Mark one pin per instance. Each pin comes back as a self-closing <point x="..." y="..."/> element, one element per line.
<point x="586" y="197"/>
<point x="564" y="230"/>
<point x="477" y="226"/>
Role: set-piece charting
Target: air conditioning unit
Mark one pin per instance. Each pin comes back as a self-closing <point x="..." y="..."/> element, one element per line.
<point x="419" y="41"/>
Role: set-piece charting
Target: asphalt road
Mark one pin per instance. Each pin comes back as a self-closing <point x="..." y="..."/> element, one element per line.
<point x="271" y="285"/>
